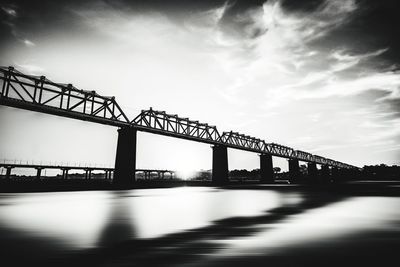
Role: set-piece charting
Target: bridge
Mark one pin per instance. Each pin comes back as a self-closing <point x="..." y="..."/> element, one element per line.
<point x="39" y="94"/>
<point x="108" y="172"/>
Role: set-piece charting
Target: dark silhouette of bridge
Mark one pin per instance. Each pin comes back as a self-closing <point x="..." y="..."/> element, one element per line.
<point x="37" y="93"/>
<point x="108" y="172"/>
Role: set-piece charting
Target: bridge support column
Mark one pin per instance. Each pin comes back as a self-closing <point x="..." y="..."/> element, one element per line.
<point x="325" y="174"/>
<point x="312" y="172"/>
<point x="220" y="171"/>
<point x="125" y="161"/>
<point x="294" y="170"/>
<point x="8" y="172"/>
<point x="335" y="175"/>
<point x="65" y="173"/>
<point x="266" y="169"/>
<point x="38" y="173"/>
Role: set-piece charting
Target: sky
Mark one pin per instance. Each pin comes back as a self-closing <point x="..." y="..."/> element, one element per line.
<point x="319" y="76"/>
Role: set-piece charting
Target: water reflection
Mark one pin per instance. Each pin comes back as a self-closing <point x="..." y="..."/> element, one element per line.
<point x="118" y="224"/>
<point x="193" y="224"/>
<point x="332" y="222"/>
<point x="101" y="218"/>
<point x="72" y="218"/>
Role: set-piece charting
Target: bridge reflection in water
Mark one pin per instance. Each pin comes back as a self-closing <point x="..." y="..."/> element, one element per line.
<point x="191" y="225"/>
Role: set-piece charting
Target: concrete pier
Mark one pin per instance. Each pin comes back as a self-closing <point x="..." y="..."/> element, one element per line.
<point x="220" y="169"/>
<point x="294" y="170"/>
<point x="335" y="175"/>
<point x="88" y="174"/>
<point x="38" y="173"/>
<point x="325" y="174"/>
<point x="125" y="161"/>
<point x="266" y="169"/>
<point x="8" y="172"/>
<point x="65" y="173"/>
<point x="312" y="172"/>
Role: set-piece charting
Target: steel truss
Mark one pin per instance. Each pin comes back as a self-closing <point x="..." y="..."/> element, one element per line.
<point x="241" y="141"/>
<point x="40" y="94"/>
<point x="172" y="125"/>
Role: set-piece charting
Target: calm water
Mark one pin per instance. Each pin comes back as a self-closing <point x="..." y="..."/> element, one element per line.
<point x="208" y="225"/>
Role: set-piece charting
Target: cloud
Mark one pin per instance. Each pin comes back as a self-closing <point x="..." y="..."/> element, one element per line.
<point x="266" y="62"/>
<point x="9" y="11"/>
<point x="30" y="69"/>
<point x="28" y="43"/>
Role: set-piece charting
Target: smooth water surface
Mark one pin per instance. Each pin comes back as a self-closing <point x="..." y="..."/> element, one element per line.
<point x="232" y="222"/>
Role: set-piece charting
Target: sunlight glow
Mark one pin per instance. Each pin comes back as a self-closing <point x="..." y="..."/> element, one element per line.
<point x="186" y="173"/>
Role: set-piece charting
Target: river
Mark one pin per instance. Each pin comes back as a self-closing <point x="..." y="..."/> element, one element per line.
<point x="199" y="226"/>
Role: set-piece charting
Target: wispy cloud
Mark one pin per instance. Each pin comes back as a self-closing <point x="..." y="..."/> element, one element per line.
<point x="267" y="63"/>
<point x="9" y="11"/>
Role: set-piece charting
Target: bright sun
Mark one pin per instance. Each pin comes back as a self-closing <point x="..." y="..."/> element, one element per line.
<point x="185" y="172"/>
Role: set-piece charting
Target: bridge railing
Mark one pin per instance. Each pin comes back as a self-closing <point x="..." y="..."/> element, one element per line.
<point x="41" y="94"/>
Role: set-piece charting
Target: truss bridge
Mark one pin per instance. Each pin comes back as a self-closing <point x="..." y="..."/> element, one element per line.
<point x="39" y="94"/>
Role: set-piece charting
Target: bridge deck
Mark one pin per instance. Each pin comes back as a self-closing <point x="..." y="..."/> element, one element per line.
<point x="61" y="167"/>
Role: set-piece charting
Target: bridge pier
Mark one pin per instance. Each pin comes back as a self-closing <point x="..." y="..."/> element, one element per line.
<point x="312" y="172"/>
<point x="220" y="171"/>
<point x="65" y="173"/>
<point x="335" y="174"/>
<point x="38" y="173"/>
<point x="266" y="169"/>
<point x="325" y="174"/>
<point x="8" y="172"/>
<point x="125" y="161"/>
<point x="294" y="170"/>
<point x="88" y="174"/>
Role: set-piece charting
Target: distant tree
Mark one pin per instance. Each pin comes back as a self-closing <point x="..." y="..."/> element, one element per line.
<point x="381" y="172"/>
